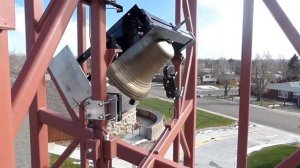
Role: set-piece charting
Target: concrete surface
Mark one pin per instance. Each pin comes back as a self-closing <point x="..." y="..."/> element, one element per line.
<point x="216" y="148"/>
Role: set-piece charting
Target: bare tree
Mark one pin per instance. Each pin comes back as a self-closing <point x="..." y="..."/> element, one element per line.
<point x="281" y="67"/>
<point x="262" y="67"/>
<point x="223" y="73"/>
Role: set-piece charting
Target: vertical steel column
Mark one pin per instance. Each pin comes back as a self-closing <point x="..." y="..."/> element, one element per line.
<point x="81" y="32"/>
<point x="7" y="154"/>
<point x="191" y="90"/>
<point x="99" y="67"/>
<point x="177" y="65"/>
<point x="33" y="71"/>
<point x="81" y="40"/>
<point x="38" y="131"/>
<point x="245" y="84"/>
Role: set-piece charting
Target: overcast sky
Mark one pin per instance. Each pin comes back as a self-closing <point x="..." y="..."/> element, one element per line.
<point x="219" y="27"/>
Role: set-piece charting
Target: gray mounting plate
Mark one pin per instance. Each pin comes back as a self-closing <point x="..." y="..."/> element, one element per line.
<point x="70" y="77"/>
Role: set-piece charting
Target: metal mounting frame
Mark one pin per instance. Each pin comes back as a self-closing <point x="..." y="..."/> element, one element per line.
<point x="43" y="32"/>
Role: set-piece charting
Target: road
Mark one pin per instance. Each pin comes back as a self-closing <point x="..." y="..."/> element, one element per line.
<point x="288" y="121"/>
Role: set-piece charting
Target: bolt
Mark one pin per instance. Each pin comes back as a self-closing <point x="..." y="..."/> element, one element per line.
<point x="89" y="150"/>
<point x="101" y="117"/>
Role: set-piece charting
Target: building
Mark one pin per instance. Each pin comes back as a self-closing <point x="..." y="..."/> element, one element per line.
<point x="289" y="91"/>
<point x="208" y="78"/>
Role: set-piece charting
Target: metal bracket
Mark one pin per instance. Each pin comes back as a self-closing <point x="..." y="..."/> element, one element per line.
<point x="113" y="3"/>
<point x="104" y="110"/>
<point x="95" y="109"/>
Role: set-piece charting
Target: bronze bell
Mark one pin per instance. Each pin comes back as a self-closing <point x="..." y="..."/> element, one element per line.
<point x="133" y="71"/>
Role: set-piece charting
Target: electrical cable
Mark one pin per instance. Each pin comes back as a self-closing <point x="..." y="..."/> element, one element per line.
<point x="90" y="125"/>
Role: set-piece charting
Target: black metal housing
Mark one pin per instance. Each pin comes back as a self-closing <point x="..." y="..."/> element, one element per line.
<point x="136" y="24"/>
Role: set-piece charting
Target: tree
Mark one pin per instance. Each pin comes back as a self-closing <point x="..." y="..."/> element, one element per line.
<point x="262" y="67"/>
<point x="223" y="73"/>
<point x="235" y="65"/>
<point x="293" y="69"/>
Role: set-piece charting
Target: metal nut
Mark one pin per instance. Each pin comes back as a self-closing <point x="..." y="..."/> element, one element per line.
<point x="89" y="150"/>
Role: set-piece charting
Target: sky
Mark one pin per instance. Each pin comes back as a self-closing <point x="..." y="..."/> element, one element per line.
<point x="219" y="27"/>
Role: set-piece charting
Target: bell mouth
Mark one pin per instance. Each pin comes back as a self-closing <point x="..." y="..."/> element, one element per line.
<point x="133" y="71"/>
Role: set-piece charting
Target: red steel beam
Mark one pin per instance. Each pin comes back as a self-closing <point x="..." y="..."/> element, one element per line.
<point x="83" y="159"/>
<point x="7" y="14"/>
<point x="187" y="69"/>
<point x="38" y="130"/>
<point x="137" y="154"/>
<point x="7" y="152"/>
<point x="99" y="68"/>
<point x="64" y="124"/>
<point x="81" y="42"/>
<point x="184" y="145"/>
<point x="177" y="65"/>
<point x="65" y="154"/>
<point x="81" y="32"/>
<point x="98" y="47"/>
<point x="130" y="153"/>
<point x="190" y="124"/>
<point x="245" y="84"/>
<point x="164" y="144"/>
<point x="33" y="71"/>
<point x="166" y="140"/>
<point x="161" y="162"/>
<point x="186" y="6"/>
<point x="283" y="21"/>
<point x="45" y="15"/>
<point x="292" y="161"/>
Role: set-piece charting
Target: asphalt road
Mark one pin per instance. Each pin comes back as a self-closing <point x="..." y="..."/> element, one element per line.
<point x="284" y="120"/>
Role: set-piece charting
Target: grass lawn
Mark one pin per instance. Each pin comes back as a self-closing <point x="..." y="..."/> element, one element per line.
<point x="203" y="120"/>
<point x="67" y="164"/>
<point x="270" y="156"/>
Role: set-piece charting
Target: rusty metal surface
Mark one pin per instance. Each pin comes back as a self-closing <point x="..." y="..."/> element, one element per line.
<point x="7" y="14"/>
